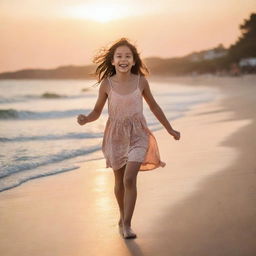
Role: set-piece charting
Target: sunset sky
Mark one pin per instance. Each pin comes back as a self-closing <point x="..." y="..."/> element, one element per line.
<point x="52" y="33"/>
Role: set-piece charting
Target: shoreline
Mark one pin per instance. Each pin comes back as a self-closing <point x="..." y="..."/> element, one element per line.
<point x="14" y="180"/>
<point x="201" y="203"/>
<point x="218" y="218"/>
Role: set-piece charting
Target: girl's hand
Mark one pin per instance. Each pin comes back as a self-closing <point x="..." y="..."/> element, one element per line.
<point x="82" y="119"/>
<point x="175" y="134"/>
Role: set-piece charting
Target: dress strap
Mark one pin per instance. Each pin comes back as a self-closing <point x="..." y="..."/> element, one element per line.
<point x="138" y="81"/>
<point x="110" y="84"/>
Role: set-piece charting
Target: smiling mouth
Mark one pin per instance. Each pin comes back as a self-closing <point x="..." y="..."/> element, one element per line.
<point x="123" y="65"/>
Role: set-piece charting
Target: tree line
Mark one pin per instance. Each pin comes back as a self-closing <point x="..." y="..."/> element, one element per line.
<point x="244" y="47"/>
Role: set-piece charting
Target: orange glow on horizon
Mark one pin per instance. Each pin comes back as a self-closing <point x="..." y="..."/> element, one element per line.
<point x="98" y="12"/>
<point x="52" y="33"/>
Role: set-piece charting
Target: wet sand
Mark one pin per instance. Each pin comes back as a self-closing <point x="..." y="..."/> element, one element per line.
<point x="201" y="203"/>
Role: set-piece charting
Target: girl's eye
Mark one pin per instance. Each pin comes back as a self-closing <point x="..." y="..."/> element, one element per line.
<point x="128" y="56"/>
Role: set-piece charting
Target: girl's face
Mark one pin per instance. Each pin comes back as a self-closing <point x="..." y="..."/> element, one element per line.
<point x="123" y="59"/>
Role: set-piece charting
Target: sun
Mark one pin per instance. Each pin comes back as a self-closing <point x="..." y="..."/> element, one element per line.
<point x="99" y="12"/>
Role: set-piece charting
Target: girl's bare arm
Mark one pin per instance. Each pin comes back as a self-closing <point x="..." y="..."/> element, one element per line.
<point x="155" y="108"/>
<point x="96" y="112"/>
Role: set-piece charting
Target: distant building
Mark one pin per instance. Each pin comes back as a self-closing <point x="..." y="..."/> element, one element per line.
<point x="211" y="54"/>
<point x="214" y="54"/>
<point x="248" y="65"/>
<point x="247" y="62"/>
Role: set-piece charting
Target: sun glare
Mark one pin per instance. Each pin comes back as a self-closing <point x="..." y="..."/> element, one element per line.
<point x="98" y="12"/>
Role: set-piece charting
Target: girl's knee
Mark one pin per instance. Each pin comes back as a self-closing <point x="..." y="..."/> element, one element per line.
<point x="129" y="181"/>
<point x="119" y="185"/>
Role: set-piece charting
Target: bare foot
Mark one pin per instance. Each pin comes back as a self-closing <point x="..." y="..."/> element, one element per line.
<point x="128" y="232"/>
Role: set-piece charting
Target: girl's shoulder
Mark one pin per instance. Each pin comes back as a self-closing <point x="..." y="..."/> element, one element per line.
<point x="143" y="79"/>
<point x="143" y="82"/>
<point x="105" y="85"/>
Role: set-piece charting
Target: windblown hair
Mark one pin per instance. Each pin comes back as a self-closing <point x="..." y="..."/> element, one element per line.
<point x="105" y="56"/>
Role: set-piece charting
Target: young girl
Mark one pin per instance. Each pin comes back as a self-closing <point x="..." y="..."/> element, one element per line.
<point x="128" y="145"/>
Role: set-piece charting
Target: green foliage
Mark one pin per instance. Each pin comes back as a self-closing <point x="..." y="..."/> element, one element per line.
<point x="246" y="43"/>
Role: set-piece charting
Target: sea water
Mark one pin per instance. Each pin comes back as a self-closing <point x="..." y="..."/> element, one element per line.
<point x="39" y="133"/>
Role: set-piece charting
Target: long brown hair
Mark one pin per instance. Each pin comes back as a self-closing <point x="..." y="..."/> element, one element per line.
<point x="105" y="56"/>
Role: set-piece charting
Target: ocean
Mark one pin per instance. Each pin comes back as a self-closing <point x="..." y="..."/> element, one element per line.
<point x="39" y="133"/>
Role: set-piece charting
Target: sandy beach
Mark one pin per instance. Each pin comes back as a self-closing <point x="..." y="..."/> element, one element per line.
<point x="202" y="203"/>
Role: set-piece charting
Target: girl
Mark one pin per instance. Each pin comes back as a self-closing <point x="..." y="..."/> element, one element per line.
<point x="128" y="145"/>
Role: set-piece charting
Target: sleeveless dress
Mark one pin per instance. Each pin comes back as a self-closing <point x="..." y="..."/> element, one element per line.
<point x="126" y="135"/>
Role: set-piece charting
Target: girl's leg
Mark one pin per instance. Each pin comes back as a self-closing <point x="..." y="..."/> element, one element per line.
<point x="130" y="195"/>
<point x="119" y="191"/>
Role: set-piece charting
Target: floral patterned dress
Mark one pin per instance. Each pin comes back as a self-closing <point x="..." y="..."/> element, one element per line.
<point x="126" y="135"/>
